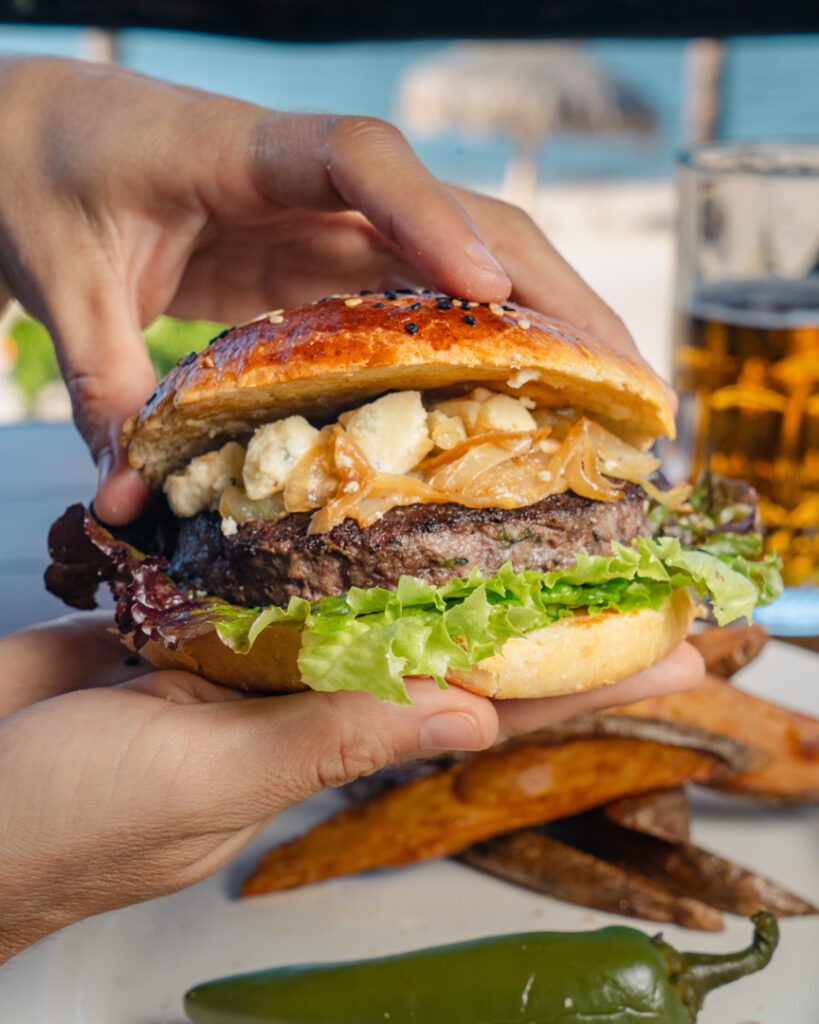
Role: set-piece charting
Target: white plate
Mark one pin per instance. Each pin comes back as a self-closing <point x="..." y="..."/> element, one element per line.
<point x="133" y="966"/>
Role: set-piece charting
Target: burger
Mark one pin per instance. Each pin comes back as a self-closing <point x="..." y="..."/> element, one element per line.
<point x="387" y="485"/>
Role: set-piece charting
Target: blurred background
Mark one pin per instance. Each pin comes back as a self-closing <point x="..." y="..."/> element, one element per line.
<point x="583" y="135"/>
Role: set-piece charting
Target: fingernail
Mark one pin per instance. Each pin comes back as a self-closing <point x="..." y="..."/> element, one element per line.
<point x="481" y="257"/>
<point x="451" y="730"/>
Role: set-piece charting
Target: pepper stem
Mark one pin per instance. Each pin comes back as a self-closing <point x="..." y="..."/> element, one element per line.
<point x="694" y="975"/>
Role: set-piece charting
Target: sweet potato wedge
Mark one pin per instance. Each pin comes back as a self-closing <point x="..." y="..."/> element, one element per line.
<point x="681" y="868"/>
<point x="738" y="755"/>
<point x="544" y="864"/>
<point x="665" y="813"/>
<point x="790" y="739"/>
<point x="496" y="792"/>
<point x="727" y="649"/>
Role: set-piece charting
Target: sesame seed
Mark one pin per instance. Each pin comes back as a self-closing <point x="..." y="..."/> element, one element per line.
<point x="207" y="362"/>
<point x="276" y="319"/>
<point x="464" y="304"/>
<point x="469" y="320"/>
<point x="496" y="308"/>
<point x="444" y="303"/>
<point x="524" y="324"/>
<point x="378" y="305"/>
<point x="392" y="295"/>
<point x="353" y="302"/>
<point x="221" y="334"/>
<point x="414" y="305"/>
<point x="411" y="328"/>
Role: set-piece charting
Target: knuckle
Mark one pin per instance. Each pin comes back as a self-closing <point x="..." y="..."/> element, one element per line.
<point x="88" y="389"/>
<point x="516" y="215"/>
<point x="355" y="131"/>
<point x="352" y="757"/>
<point x="351" y="751"/>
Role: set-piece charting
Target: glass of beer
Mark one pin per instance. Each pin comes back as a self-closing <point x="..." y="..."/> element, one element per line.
<point x="746" y="344"/>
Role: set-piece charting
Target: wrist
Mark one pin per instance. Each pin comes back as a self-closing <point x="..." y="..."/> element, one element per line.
<point x="21" y="926"/>
<point x="25" y="920"/>
<point x="12" y="943"/>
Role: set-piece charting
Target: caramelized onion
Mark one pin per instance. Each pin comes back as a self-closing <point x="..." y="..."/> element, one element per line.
<point x="499" y="438"/>
<point x="675" y="499"/>
<point x="466" y="474"/>
<point x="355" y="477"/>
<point x="313" y="482"/>
<point x="391" y="490"/>
<point x="618" y="457"/>
<point x="234" y="504"/>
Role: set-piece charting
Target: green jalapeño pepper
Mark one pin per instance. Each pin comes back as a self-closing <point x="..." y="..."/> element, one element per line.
<point x="616" y="974"/>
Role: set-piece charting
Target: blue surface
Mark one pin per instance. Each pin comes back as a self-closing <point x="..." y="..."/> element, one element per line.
<point x="796" y="613"/>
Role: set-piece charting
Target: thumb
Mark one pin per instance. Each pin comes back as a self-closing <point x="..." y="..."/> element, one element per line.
<point x="108" y="372"/>
<point x="289" y="748"/>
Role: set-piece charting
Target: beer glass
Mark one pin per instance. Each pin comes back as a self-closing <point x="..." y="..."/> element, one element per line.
<point x="746" y="344"/>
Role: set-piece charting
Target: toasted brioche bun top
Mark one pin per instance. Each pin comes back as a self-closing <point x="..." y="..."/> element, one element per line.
<point x="321" y="359"/>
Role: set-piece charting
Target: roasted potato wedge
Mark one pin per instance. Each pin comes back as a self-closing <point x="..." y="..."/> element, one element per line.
<point x="542" y="863"/>
<point x="681" y="868"/>
<point x="499" y="791"/>
<point x="728" y="649"/>
<point x="790" y="773"/>
<point x="665" y="813"/>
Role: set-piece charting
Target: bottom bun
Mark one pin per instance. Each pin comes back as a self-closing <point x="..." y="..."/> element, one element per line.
<point x="574" y="654"/>
<point x="582" y="652"/>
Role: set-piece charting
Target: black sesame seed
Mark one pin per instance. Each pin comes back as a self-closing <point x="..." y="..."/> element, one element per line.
<point x="365" y="291"/>
<point x="221" y="334"/>
<point x="378" y="305"/>
<point x="391" y="294"/>
<point x="509" y="309"/>
<point x="187" y="359"/>
<point x="405" y="291"/>
<point x="464" y="304"/>
<point x="470" y="320"/>
<point x="414" y="305"/>
<point x="444" y="303"/>
<point x="411" y="328"/>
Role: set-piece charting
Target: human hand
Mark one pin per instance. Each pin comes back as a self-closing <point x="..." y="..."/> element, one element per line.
<point x="114" y="794"/>
<point x="126" y="197"/>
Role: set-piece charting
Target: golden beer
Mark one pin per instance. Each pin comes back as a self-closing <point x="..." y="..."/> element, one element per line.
<point x="746" y="366"/>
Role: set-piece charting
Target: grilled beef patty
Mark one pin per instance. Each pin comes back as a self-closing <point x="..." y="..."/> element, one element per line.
<point x="268" y="562"/>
